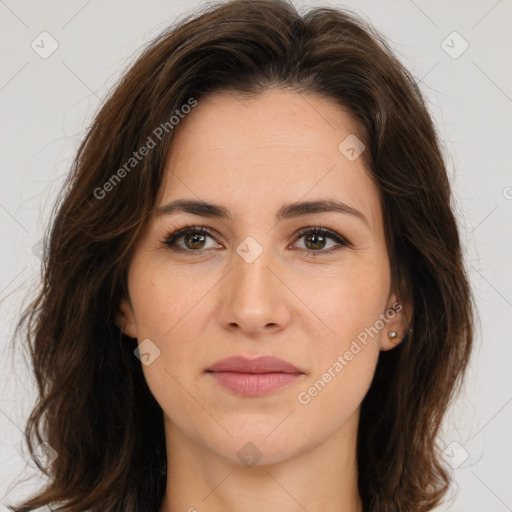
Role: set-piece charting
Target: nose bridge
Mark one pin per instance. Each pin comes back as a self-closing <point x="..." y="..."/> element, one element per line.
<point x="253" y="298"/>
<point x="252" y="265"/>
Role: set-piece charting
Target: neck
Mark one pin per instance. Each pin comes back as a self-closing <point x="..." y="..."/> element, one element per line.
<point x="322" y="477"/>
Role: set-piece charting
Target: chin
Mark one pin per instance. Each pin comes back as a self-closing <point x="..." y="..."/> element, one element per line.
<point x="254" y="444"/>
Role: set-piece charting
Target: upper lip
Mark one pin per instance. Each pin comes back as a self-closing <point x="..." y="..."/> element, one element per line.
<point x="264" y="364"/>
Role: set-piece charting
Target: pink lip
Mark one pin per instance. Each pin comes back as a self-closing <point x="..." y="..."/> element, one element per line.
<point x="254" y="377"/>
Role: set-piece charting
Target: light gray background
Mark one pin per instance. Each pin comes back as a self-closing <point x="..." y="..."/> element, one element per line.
<point x="46" y="105"/>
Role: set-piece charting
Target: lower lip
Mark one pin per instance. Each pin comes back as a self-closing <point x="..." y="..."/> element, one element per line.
<point x="254" y="384"/>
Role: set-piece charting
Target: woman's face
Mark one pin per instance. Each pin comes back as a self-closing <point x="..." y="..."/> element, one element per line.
<point x="258" y="282"/>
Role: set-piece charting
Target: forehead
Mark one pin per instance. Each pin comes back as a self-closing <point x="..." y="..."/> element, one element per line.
<point x="278" y="147"/>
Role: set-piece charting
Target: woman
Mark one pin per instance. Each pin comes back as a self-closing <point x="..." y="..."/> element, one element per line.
<point x="254" y="295"/>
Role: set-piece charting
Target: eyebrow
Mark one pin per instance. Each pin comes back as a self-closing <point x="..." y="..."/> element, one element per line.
<point x="287" y="211"/>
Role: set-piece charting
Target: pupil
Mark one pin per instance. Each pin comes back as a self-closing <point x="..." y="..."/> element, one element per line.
<point x="319" y="245"/>
<point x="195" y="237"/>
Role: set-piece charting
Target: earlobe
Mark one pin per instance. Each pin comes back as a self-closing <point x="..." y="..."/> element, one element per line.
<point x="398" y="316"/>
<point x="390" y="339"/>
<point x="125" y="319"/>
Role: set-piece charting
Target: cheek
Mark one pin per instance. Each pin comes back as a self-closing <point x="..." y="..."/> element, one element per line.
<point x="350" y="306"/>
<point x="349" y="300"/>
<point x="348" y="352"/>
<point x="170" y="310"/>
<point x="166" y="299"/>
<point x="167" y="309"/>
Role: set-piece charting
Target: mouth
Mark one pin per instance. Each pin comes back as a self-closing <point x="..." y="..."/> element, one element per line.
<point x="254" y="377"/>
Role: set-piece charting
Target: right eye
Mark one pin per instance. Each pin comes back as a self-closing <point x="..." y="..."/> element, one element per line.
<point x="190" y="239"/>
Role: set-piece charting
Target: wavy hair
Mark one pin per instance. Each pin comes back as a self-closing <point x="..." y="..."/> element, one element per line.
<point x="94" y="407"/>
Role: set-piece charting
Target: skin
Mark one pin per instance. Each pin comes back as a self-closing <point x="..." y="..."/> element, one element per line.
<point x="252" y="157"/>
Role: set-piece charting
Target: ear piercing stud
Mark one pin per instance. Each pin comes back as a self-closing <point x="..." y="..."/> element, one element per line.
<point x="392" y="334"/>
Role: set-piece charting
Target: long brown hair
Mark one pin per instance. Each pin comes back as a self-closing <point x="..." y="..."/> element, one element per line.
<point x="94" y="407"/>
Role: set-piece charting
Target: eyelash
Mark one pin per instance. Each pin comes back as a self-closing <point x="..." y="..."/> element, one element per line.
<point x="171" y="238"/>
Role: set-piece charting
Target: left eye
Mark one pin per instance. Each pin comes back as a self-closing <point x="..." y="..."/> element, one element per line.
<point x="315" y="239"/>
<point x="192" y="239"/>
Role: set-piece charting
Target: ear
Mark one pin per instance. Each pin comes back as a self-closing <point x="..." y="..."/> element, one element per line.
<point x="397" y="318"/>
<point x="125" y="319"/>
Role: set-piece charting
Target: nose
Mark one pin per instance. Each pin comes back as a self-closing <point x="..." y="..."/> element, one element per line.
<point x="254" y="297"/>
